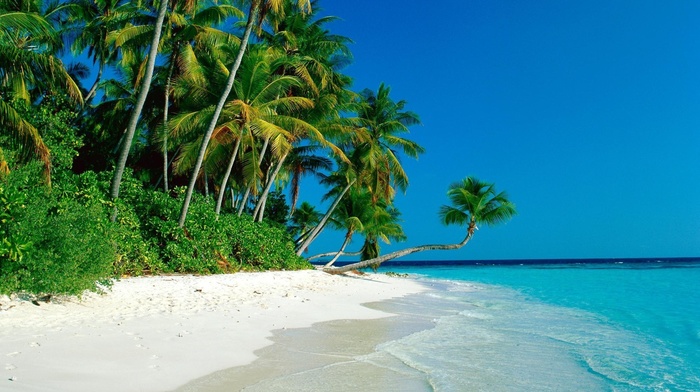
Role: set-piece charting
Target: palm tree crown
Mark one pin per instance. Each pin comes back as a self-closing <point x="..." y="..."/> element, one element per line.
<point x="475" y="202"/>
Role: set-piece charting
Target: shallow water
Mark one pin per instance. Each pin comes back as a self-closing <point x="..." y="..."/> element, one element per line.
<point x="557" y="327"/>
<point x="618" y="327"/>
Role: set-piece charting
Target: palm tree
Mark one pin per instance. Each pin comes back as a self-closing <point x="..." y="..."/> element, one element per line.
<point x="376" y="221"/>
<point x="384" y="121"/>
<point x="303" y="220"/>
<point x="260" y="108"/>
<point x="26" y="136"/>
<point x="93" y="21"/>
<point x="143" y="92"/>
<point x="182" y="30"/>
<point x="383" y="226"/>
<point x="473" y="202"/>
<point x="29" y="70"/>
<point x="301" y="162"/>
<point x="342" y="180"/>
<point x="258" y="10"/>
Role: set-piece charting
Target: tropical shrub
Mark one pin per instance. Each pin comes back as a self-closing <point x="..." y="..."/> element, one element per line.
<point x="52" y="244"/>
<point x="208" y="245"/>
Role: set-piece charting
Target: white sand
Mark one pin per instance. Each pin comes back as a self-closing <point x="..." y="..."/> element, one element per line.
<point x="157" y="333"/>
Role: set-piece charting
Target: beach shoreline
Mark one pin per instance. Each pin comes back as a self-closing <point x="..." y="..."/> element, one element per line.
<point x="160" y="333"/>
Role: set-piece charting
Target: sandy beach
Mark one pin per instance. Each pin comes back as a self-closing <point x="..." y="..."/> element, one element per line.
<point x="159" y="333"/>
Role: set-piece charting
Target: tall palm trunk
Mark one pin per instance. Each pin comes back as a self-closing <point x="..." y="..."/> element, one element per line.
<point x="348" y="237"/>
<point x="131" y="129"/>
<point x="401" y="253"/>
<point x="317" y="230"/>
<point x="229" y="169"/>
<point x="260" y="208"/>
<point x="244" y="201"/>
<point x="252" y="14"/>
<point x="166" y="107"/>
<point x="206" y="184"/>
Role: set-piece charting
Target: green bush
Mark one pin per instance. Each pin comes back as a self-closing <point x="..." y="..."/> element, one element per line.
<point x="63" y="243"/>
<point x="207" y="245"/>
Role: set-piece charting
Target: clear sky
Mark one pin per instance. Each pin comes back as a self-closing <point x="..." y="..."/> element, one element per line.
<point x="586" y="112"/>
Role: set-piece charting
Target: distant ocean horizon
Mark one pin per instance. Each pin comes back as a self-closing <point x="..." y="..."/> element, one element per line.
<point x="623" y="324"/>
<point x="545" y="261"/>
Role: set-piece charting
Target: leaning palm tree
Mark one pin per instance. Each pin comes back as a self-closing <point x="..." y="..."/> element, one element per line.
<point x="303" y="220"/>
<point x="473" y="202"/>
<point x="302" y="161"/>
<point x="140" y="101"/>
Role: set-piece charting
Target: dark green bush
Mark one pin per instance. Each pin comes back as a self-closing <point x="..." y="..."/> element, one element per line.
<point x="63" y="243"/>
<point x="208" y="245"/>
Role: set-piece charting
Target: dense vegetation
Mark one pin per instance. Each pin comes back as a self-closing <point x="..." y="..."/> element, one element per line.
<point x="169" y="147"/>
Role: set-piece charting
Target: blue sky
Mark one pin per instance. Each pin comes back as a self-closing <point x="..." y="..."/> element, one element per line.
<point x="586" y="113"/>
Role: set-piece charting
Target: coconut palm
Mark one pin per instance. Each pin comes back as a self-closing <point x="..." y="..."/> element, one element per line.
<point x="473" y="202"/>
<point x="383" y="226"/>
<point x="143" y="92"/>
<point x="303" y="162"/>
<point x="375" y="221"/>
<point x="257" y="12"/>
<point x="384" y="122"/>
<point x="341" y="181"/>
<point x="186" y="26"/>
<point x="260" y="109"/>
<point x="91" y="22"/>
<point x="303" y="220"/>
<point x="30" y="70"/>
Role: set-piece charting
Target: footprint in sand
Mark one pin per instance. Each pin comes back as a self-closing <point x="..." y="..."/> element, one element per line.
<point x="10" y="366"/>
<point x="14" y="354"/>
<point x="142" y="346"/>
<point x="34" y="344"/>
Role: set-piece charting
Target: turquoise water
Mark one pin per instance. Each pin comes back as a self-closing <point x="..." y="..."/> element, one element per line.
<point x="559" y="327"/>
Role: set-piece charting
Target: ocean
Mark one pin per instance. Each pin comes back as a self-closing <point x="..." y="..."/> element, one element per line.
<point x="515" y="325"/>
<point x="554" y="325"/>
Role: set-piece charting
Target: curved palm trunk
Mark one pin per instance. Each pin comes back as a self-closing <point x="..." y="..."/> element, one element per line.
<point x="252" y="14"/>
<point x="229" y="169"/>
<point x="400" y="253"/>
<point x="317" y="230"/>
<point x="247" y="191"/>
<point x="93" y="89"/>
<point x="131" y="129"/>
<point x="318" y="256"/>
<point x="348" y="237"/>
<point x="260" y="208"/>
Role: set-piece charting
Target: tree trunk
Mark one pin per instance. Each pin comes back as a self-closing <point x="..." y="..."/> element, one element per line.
<point x="93" y="89"/>
<point x="260" y="208"/>
<point x="319" y="227"/>
<point x="348" y="237"/>
<point x="206" y="184"/>
<point x="131" y="129"/>
<point x="252" y="184"/>
<point x="229" y="168"/>
<point x="166" y="108"/>
<point x="399" y="253"/>
<point x="252" y="14"/>
<point x="318" y="256"/>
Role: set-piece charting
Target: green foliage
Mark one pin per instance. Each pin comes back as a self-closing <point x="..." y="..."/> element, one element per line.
<point x="276" y="208"/>
<point x="51" y="243"/>
<point x="208" y="245"/>
<point x="59" y="240"/>
<point x="56" y="119"/>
